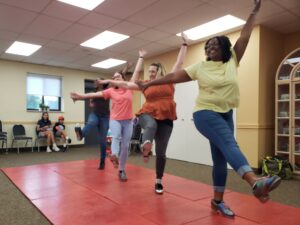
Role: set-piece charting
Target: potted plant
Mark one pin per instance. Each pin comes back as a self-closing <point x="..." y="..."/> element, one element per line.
<point x="43" y="107"/>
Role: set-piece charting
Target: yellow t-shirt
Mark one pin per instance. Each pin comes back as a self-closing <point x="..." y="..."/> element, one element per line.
<point x="218" y="84"/>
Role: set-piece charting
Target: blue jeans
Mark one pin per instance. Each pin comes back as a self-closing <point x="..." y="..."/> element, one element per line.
<point x="218" y="128"/>
<point x="121" y="132"/>
<point x="102" y="124"/>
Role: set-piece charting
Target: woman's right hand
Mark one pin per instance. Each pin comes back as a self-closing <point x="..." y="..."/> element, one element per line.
<point x="184" y="38"/>
<point x="142" y="53"/>
<point x="142" y="84"/>
<point x="75" y="96"/>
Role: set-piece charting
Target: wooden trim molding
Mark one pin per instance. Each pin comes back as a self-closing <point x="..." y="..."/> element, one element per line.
<point x="255" y="126"/>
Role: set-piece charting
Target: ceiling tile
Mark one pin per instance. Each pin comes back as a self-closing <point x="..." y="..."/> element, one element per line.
<point x="128" y="45"/>
<point x="289" y="28"/>
<point x="45" y="26"/>
<point x="191" y="18"/>
<point x="31" y="5"/>
<point x="13" y="57"/>
<point x="288" y="3"/>
<point x="231" y="5"/>
<point x="8" y="35"/>
<point x="162" y="11"/>
<point x="4" y="44"/>
<point x="65" y="11"/>
<point x="32" y="39"/>
<point x="279" y="20"/>
<point x="47" y="53"/>
<point x="18" y="22"/>
<point x="171" y="41"/>
<point x="97" y="20"/>
<point x="127" y="28"/>
<point x="156" y="48"/>
<point x="60" y="45"/>
<point x="152" y="35"/>
<point x="77" y="34"/>
<point x="296" y="11"/>
<point x="124" y="8"/>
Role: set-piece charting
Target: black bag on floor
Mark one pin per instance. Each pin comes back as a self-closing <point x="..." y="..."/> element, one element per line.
<point x="276" y="165"/>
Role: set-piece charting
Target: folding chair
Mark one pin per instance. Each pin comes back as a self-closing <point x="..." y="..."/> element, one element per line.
<point x="135" y="142"/>
<point x="3" y="138"/>
<point x="19" y="134"/>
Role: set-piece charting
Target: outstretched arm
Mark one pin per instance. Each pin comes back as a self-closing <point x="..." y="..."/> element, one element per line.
<point x="121" y="84"/>
<point x="139" y="65"/>
<point x="75" y="96"/>
<point x="181" y="55"/>
<point x="242" y="42"/>
<point x="179" y="76"/>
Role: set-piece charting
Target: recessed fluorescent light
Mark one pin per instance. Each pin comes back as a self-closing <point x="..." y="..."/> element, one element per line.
<point x="21" y="48"/>
<point x="213" y="27"/>
<point x="104" y="40"/>
<point x="108" y="63"/>
<point x="85" y="4"/>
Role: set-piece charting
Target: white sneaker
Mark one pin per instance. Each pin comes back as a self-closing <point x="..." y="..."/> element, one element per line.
<point x="48" y="149"/>
<point x="55" y="148"/>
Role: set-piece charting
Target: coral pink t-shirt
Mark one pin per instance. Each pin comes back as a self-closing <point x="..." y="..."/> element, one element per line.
<point x="121" y="103"/>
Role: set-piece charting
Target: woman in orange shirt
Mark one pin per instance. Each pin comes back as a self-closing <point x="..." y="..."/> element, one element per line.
<point x="158" y="112"/>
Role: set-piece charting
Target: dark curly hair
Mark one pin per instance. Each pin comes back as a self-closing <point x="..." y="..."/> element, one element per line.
<point x="225" y="45"/>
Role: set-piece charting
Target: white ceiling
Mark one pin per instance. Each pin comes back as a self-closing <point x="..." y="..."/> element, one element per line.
<point x="151" y="24"/>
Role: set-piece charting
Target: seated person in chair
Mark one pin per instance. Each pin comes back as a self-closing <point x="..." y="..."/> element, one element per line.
<point x="59" y="131"/>
<point x="44" y="129"/>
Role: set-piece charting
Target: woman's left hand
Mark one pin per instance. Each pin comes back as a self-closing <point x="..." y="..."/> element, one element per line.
<point x="257" y="6"/>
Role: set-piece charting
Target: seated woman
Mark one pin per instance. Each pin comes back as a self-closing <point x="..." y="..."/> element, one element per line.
<point x="43" y="129"/>
<point x="59" y="130"/>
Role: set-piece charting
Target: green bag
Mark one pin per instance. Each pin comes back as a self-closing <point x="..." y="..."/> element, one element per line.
<point x="276" y="165"/>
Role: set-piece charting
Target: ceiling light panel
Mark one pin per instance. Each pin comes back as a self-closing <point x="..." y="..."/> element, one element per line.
<point x="85" y="4"/>
<point x="213" y="27"/>
<point x="109" y="63"/>
<point x="22" y="48"/>
<point x="104" y="40"/>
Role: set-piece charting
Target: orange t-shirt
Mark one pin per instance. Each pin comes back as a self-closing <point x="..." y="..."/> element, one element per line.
<point x="160" y="102"/>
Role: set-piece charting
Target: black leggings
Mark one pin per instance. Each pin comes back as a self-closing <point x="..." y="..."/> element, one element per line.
<point x="160" y="131"/>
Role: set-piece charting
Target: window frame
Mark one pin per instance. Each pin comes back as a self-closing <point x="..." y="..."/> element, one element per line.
<point x="43" y="76"/>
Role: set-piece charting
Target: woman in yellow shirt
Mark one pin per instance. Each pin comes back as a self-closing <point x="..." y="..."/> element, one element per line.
<point x="217" y="79"/>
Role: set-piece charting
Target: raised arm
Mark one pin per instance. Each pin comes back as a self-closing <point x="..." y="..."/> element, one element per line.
<point x="242" y="42"/>
<point x="139" y="66"/>
<point x="75" y="96"/>
<point x="181" y="55"/>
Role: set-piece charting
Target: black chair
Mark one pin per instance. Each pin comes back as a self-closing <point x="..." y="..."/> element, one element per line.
<point x="40" y="139"/>
<point x="19" y="134"/>
<point x="135" y="142"/>
<point x="3" y="138"/>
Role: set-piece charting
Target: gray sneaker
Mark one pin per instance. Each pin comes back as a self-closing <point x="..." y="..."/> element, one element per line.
<point x="122" y="176"/>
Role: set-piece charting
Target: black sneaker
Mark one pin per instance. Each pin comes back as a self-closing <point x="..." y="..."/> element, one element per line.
<point x="122" y="176"/>
<point x="101" y="166"/>
<point x="159" y="189"/>
<point x="69" y="139"/>
<point x="78" y="132"/>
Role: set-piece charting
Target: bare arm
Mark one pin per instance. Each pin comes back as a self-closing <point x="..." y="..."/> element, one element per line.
<point x="181" y="55"/>
<point x="242" y="42"/>
<point x="180" y="76"/>
<point x="121" y="84"/>
<point x="75" y="96"/>
<point x="139" y="65"/>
